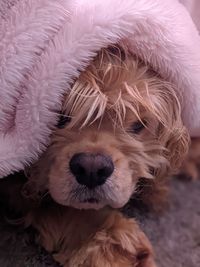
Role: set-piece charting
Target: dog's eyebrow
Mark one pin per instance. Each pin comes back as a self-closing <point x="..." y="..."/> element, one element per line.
<point x="63" y="120"/>
<point x="118" y="51"/>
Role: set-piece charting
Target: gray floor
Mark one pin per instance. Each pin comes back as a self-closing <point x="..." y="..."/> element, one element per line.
<point x="175" y="234"/>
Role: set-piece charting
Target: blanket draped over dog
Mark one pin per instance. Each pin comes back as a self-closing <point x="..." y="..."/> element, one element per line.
<point x="44" y="44"/>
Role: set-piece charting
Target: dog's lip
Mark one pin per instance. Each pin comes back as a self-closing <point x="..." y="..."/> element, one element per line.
<point x="90" y="200"/>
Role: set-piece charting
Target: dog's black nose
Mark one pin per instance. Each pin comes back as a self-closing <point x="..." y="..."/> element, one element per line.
<point x="91" y="169"/>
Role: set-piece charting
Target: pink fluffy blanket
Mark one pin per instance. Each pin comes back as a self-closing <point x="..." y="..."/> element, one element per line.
<point x="44" y="44"/>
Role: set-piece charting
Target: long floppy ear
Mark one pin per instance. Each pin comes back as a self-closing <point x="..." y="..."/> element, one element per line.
<point x="172" y="134"/>
<point x="174" y="140"/>
<point x="177" y="146"/>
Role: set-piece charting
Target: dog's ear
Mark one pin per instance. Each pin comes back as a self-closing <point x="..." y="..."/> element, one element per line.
<point x="153" y="193"/>
<point x="174" y="137"/>
<point x="177" y="146"/>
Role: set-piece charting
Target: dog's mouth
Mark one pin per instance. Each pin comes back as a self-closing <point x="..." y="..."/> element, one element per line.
<point x="91" y="200"/>
<point x="81" y="197"/>
<point x="87" y="203"/>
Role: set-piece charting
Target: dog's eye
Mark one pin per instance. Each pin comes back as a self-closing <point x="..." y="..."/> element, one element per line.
<point x="138" y="126"/>
<point x="64" y="119"/>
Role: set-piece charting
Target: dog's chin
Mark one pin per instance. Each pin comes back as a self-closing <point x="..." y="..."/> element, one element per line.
<point x="96" y="205"/>
<point x="90" y="203"/>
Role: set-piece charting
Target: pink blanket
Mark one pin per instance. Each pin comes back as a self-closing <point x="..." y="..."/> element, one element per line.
<point x="45" y="43"/>
<point x="193" y="7"/>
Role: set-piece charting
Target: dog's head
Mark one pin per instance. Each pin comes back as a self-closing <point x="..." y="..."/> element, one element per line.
<point x="119" y="122"/>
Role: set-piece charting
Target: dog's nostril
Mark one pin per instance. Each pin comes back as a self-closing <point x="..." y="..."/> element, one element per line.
<point x="106" y="171"/>
<point x="80" y="170"/>
<point x="90" y="169"/>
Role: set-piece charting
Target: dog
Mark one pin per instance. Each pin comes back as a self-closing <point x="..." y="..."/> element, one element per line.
<point x="120" y="123"/>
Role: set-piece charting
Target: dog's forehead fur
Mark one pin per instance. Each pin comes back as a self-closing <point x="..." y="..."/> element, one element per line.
<point x="119" y="86"/>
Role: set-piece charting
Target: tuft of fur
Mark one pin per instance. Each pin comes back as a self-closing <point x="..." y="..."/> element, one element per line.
<point x="190" y="168"/>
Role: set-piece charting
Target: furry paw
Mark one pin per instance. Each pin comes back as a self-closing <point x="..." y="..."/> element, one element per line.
<point x="119" y="242"/>
<point x="190" y="169"/>
<point x="89" y="238"/>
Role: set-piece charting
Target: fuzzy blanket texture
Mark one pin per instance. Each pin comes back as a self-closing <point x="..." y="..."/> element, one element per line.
<point x="44" y="44"/>
<point x="193" y="6"/>
<point x="175" y="234"/>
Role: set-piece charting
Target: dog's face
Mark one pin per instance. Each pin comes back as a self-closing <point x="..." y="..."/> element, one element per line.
<point x="100" y="164"/>
<point x="119" y="123"/>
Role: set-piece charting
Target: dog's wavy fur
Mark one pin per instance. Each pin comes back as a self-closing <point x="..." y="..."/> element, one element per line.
<point x="113" y="93"/>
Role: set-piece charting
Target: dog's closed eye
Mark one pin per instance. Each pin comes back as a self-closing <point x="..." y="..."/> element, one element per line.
<point x="138" y="126"/>
<point x="63" y="121"/>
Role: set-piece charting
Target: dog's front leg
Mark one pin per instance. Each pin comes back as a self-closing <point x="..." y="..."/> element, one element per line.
<point x="103" y="238"/>
<point x="118" y="242"/>
<point x="190" y="168"/>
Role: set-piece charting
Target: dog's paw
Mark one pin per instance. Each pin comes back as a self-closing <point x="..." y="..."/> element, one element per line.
<point x="103" y="238"/>
<point x="190" y="169"/>
<point x="118" y="243"/>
